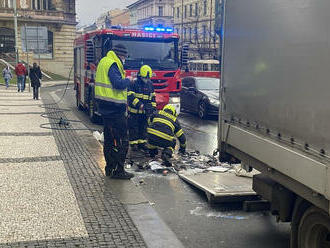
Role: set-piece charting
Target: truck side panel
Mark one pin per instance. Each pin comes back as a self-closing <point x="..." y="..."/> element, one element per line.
<point x="276" y="67"/>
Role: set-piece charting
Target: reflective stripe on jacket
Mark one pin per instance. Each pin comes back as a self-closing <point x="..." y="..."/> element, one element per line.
<point x="141" y="93"/>
<point x="166" y="126"/>
<point x="103" y="87"/>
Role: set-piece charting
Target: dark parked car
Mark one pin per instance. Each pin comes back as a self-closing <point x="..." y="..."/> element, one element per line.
<point x="200" y="95"/>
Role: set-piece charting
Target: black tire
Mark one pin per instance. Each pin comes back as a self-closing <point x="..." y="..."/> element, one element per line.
<point x="202" y="110"/>
<point x="91" y="111"/>
<point x="314" y="229"/>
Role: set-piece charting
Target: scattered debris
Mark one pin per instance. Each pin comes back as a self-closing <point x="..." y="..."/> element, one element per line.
<point x="218" y="169"/>
<point x="156" y="165"/>
<point x="240" y="172"/>
<point x="98" y="136"/>
<point x="190" y="163"/>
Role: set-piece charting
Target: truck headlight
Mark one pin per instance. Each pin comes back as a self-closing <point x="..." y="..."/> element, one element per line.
<point x="174" y="100"/>
<point x="214" y="102"/>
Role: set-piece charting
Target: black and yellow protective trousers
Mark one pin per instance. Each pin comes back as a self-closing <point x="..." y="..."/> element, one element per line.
<point x="140" y="94"/>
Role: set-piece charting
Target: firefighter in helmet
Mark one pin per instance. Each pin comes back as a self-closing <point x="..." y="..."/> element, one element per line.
<point x="141" y="105"/>
<point x="164" y="128"/>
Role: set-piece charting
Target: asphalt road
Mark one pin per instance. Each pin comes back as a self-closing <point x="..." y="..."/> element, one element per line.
<point x="185" y="209"/>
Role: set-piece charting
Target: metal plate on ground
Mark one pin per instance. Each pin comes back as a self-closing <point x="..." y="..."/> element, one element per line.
<point x="222" y="187"/>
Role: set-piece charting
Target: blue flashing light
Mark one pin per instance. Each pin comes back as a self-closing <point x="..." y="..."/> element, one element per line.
<point x="159" y="29"/>
<point x="149" y="29"/>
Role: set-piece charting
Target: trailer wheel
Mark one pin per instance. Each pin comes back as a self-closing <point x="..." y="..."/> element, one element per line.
<point x="314" y="229"/>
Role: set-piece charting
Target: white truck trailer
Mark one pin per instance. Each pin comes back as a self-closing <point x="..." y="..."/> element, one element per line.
<point x="275" y="116"/>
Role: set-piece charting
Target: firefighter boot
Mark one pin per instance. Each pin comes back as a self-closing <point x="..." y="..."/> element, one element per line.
<point x="134" y="148"/>
<point x="153" y="152"/>
<point x="143" y="147"/>
<point x="120" y="173"/>
<point x="108" y="170"/>
<point x="166" y="156"/>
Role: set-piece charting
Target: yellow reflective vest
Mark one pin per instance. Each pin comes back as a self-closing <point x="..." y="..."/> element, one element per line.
<point x="103" y="87"/>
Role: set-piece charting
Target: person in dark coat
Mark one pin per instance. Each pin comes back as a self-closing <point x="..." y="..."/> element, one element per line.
<point x="35" y="76"/>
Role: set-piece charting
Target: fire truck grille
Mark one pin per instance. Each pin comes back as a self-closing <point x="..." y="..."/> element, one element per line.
<point x="159" y="84"/>
<point x="158" y="81"/>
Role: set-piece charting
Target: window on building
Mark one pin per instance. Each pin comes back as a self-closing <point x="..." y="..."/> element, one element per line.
<point x="190" y="10"/>
<point x="204" y="33"/>
<point x="178" y="12"/>
<point x="160" y="11"/>
<point x="205" y="7"/>
<point x="72" y="7"/>
<point x="6" y="3"/>
<point x="196" y="9"/>
<point x="195" y="33"/>
<point x="190" y="34"/>
<point x="48" y="53"/>
<point x="42" y="4"/>
<point x="185" y="11"/>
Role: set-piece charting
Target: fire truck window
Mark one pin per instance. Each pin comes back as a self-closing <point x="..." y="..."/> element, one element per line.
<point x="161" y="55"/>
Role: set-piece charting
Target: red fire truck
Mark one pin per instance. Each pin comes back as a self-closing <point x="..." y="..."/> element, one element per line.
<point x="157" y="47"/>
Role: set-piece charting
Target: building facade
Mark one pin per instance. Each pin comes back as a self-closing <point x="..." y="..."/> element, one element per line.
<point x="194" y="21"/>
<point x="115" y="17"/>
<point x="151" y="13"/>
<point x="121" y="19"/>
<point x="58" y="16"/>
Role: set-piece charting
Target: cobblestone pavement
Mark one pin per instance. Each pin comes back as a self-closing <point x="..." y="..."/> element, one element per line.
<point x="52" y="192"/>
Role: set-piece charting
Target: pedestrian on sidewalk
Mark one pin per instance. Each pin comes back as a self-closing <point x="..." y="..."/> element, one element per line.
<point x="20" y="71"/>
<point x="26" y="75"/>
<point x="7" y="76"/>
<point x="35" y="76"/>
<point x="111" y="95"/>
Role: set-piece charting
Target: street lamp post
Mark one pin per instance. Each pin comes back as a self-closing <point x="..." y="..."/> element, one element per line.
<point x="181" y="23"/>
<point x="210" y="37"/>
<point x="15" y="27"/>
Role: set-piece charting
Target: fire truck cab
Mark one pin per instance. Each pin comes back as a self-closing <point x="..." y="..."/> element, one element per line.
<point x="156" y="47"/>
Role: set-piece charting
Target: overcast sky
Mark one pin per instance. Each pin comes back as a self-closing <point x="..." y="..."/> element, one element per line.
<point x="89" y="10"/>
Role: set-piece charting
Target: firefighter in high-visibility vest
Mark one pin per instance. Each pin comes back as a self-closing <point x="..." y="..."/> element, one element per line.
<point x="111" y="94"/>
<point x="141" y="105"/>
<point x="164" y="128"/>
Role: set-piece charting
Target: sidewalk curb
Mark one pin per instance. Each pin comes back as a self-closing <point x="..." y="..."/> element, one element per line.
<point x="152" y="228"/>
